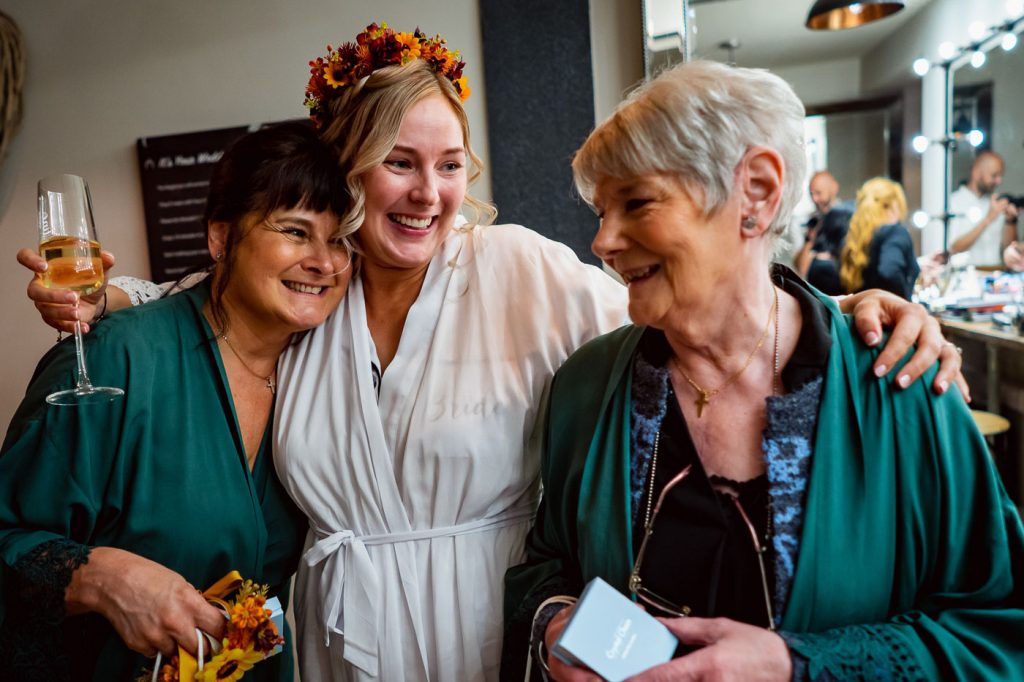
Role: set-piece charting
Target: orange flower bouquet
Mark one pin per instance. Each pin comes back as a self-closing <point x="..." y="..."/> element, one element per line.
<point x="252" y="635"/>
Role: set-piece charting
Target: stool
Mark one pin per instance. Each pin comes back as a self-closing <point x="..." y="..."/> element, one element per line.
<point x="989" y="423"/>
<point x="994" y="428"/>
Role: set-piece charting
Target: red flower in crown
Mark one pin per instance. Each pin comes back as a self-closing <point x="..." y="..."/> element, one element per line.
<point x="376" y="47"/>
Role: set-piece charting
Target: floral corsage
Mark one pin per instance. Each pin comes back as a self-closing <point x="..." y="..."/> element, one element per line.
<point x="252" y="635"/>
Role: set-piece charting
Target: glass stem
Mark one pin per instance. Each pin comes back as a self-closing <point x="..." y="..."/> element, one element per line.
<point x="83" y="376"/>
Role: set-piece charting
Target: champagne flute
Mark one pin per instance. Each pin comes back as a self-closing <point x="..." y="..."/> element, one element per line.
<point x="67" y="241"/>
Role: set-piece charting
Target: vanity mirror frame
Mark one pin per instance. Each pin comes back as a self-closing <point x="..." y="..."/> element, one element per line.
<point x="955" y="58"/>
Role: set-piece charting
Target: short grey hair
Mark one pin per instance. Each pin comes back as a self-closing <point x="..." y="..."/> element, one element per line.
<point x="696" y="121"/>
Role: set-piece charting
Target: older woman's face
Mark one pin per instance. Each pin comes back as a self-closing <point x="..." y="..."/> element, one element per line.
<point x="412" y="198"/>
<point x="284" y="268"/>
<point x="656" y="237"/>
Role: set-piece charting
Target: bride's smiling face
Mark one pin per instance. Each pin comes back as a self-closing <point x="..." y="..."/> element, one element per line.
<point x="414" y="196"/>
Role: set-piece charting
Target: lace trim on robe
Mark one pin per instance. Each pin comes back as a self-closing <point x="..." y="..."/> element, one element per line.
<point x="31" y="641"/>
<point x="856" y="652"/>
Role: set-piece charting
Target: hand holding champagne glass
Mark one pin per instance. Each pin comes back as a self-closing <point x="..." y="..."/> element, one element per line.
<point x="67" y="241"/>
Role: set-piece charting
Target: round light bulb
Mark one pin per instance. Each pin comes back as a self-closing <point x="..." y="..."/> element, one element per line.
<point x="975" y="137"/>
<point x="974" y="214"/>
<point x="920" y="143"/>
<point x="947" y="50"/>
<point x="921" y="66"/>
<point x="976" y="30"/>
<point x="920" y="219"/>
<point x="978" y="59"/>
<point x="1009" y="41"/>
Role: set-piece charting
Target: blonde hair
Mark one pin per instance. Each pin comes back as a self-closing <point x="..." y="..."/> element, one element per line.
<point x="696" y="121"/>
<point x="363" y="124"/>
<point x="875" y="199"/>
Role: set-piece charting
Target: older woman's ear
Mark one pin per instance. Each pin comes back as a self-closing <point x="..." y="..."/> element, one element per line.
<point x="760" y="177"/>
<point x="216" y="238"/>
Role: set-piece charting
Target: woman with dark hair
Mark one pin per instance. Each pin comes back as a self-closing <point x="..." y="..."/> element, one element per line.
<point x="110" y="514"/>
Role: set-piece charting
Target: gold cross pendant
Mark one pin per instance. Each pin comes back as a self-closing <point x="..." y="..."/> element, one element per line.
<point x="701" y="401"/>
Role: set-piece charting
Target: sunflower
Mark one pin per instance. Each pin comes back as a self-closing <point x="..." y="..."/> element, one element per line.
<point x="334" y="74"/>
<point x="229" y="665"/>
<point x="410" y="46"/>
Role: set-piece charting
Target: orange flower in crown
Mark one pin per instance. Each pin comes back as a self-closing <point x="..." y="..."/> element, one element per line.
<point x="376" y="47"/>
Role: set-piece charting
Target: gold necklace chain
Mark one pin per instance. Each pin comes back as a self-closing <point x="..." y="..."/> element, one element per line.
<point x="269" y="379"/>
<point x="704" y="395"/>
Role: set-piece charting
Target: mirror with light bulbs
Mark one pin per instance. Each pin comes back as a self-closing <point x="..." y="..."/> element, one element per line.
<point x="986" y="111"/>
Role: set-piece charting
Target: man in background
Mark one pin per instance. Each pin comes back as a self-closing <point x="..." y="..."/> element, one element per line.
<point x="986" y="223"/>
<point x="824" y="194"/>
<point x="817" y="261"/>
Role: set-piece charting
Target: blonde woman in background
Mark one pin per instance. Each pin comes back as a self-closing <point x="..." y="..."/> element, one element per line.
<point x="879" y="253"/>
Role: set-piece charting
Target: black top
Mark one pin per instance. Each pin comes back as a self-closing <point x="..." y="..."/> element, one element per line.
<point x="891" y="262"/>
<point x="701" y="554"/>
<point x="823" y="274"/>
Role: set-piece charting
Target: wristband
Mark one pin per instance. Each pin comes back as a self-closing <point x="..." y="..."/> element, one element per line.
<point x="103" y="313"/>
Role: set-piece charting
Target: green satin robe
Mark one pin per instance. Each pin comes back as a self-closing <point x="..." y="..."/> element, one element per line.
<point x="161" y="473"/>
<point x="911" y="562"/>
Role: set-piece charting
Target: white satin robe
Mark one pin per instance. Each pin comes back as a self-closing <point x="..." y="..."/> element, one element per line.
<point x="418" y="502"/>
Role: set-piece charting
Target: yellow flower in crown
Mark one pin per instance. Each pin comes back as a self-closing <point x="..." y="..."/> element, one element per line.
<point x="335" y="74"/>
<point x="410" y="46"/>
<point x="229" y="665"/>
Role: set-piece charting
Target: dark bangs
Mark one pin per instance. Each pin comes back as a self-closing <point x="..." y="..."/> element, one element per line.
<point x="282" y="166"/>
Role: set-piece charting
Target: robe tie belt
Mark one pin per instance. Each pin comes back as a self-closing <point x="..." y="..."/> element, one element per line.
<point x="351" y="586"/>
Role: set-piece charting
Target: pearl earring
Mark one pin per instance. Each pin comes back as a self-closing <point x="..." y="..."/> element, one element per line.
<point x="749" y="222"/>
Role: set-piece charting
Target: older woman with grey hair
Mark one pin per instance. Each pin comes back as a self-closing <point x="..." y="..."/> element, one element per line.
<point x="730" y="460"/>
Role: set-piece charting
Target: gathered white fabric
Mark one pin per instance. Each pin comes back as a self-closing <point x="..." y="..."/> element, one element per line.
<point x="418" y="503"/>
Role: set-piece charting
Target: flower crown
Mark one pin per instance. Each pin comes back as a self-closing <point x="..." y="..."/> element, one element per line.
<point x="375" y="48"/>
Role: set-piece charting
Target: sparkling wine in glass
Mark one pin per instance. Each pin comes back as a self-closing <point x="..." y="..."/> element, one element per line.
<point x="67" y="241"/>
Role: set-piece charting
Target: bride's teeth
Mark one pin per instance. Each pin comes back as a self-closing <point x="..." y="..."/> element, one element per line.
<point x="303" y="288"/>
<point x="416" y="223"/>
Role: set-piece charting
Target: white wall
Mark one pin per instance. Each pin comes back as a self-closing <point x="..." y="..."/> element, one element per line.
<point x="823" y="82"/>
<point x="102" y="74"/>
<point x="616" y="40"/>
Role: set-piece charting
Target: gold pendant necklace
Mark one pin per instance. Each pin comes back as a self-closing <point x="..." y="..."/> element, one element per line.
<point x="704" y="395"/>
<point x="269" y="379"/>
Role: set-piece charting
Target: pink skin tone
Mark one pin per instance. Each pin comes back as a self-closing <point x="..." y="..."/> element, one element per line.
<point x="413" y="197"/>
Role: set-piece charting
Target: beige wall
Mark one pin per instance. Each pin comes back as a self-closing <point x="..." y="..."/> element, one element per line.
<point x="823" y="82"/>
<point x="102" y="74"/>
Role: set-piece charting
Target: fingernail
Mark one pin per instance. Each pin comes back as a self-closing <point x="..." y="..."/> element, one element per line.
<point x="871" y="338"/>
<point x="943" y="386"/>
<point x="904" y="380"/>
<point x="880" y="370"/>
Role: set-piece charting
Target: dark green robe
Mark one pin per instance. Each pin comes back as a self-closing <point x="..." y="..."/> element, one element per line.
<point x="161" y="473"/>
<point x="911" y="562"/>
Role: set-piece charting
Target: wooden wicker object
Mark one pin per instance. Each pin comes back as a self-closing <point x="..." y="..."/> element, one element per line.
<point x="12" y="78"/>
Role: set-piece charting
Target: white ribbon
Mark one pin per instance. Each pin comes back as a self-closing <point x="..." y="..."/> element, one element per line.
<point x="350" y="585"/>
